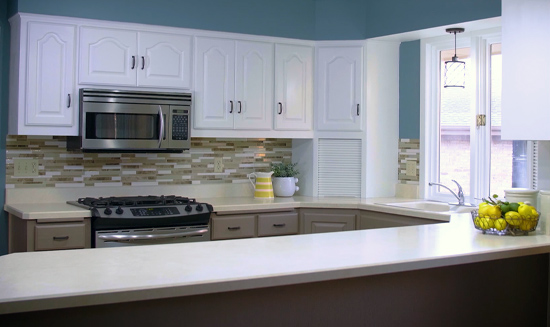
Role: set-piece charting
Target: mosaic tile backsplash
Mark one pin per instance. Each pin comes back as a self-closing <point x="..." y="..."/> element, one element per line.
<point x="61" y="168"/>
<point x="409" y="149"/>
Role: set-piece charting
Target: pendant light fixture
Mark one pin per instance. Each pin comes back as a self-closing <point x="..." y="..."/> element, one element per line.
<point x="455" y="70"/>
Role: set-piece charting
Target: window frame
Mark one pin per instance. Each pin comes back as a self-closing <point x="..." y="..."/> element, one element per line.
<point x="479" y="74"/>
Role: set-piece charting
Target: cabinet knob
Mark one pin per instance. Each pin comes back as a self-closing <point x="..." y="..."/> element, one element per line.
<point x="358" y="109"/>
<point x="142" y="62"/>
<point x="280" y="108"/>
<point x="60" y="238"/>
<point x="240" y="107"/>
<point x="234" y="228"/>
<point x="279" y="225"/>
<point x="133" y="62"/>
<point x="231" y="109"/>
<point x="68" y="100"/>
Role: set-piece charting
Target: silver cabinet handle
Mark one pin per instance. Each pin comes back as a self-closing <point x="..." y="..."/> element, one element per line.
<point x="279" y="225"/>
<point x="234" y="228"/>
<point x="69" y="100"/>
<point x="280" y="108"/>
<point x="240" y="107"/>
<point x="161" y="132"/>
<point x="231" y="110"/>
<point x="142" y="62"/>
<point x="131" y="237"/>
<point x="358" y="109"/>
<point x="133" y="62"/>
<point x="60" y="238"/>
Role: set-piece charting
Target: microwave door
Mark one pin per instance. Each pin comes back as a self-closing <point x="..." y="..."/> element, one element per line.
<point x="124" y="126"/>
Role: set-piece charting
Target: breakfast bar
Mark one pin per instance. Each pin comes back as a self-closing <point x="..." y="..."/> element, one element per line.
<point x="439" y="274"/>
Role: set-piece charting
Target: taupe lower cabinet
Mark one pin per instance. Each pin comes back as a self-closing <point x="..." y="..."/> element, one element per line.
<point x="327" y="220"/>
<point x="373" y="219"/>
<point x="254" y="225"/>
<point x="35" y="235"/>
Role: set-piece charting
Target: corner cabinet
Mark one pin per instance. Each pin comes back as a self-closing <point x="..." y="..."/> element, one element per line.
<point x="134" y="58"/>
<point x="293" y="87"/>
<point x="327" y="220"/>
<point x="43" y="100"/>
<point x="233" y="84"/>
<point x="340" y="88"/>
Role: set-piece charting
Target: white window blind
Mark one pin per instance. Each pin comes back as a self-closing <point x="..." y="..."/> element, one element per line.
<point x="339" y="167"/>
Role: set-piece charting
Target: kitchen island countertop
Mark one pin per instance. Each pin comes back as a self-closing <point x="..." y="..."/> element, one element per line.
<point x="72" y="278"/>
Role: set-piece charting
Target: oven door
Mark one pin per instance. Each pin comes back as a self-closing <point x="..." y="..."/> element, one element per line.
<point x="150" y="236"/>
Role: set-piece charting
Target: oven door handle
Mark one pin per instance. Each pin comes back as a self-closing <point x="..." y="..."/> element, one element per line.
<point x="161" y="133"/>
<point x="129" y="237"/>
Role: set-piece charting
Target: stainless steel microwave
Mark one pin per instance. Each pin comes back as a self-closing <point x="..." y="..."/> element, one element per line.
<point x="132" y="121"/>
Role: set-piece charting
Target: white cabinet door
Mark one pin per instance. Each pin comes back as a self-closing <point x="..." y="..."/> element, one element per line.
<point x="214" y="83"/>
<point x="340" y="76"/>
<point x="108" y="56"/>
<point x="164" y="60"/>
<point x="254" y="85"/>
<point x="525" y="71"/>
<point x="49" y="93"/>
<point x="293" y="87"/>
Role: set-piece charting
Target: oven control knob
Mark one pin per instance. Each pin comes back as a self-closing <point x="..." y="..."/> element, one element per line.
<point x="119" y="210"/>
<point x="188" y="208"/>
<point x="199" y="207"/>
<point x="108" y="211"/>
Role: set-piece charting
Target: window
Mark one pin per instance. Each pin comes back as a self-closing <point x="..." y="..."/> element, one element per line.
<point x="453" y="146"/>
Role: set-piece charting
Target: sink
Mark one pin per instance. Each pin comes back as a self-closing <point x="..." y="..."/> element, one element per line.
<point x="431" y="206"/>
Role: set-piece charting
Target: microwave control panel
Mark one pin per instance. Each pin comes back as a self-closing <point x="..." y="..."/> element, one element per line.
<point x="180" y="124"/>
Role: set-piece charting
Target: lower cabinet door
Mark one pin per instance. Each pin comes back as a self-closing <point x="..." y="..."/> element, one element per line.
<point x="228" y="227"/>
<point x="372" y="220"/>
<point x="60" y="236"/>
<point x="282" y="223"/>
<point x="325" y="221"/>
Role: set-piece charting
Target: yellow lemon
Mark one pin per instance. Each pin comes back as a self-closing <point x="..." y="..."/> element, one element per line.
<point x="525" y="225"/>
<point x="527" y="211"/>
<point x="500" y="224"/>
<point x="513" y="218"/>
<point x="477" y="222"/>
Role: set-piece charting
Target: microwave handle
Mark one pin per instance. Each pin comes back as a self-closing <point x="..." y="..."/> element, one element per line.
<point x="161" y="133"/>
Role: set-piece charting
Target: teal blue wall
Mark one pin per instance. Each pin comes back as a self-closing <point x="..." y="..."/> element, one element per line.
<point x="302" y="19"/>
<point x="409" y="90"/>
<point x="4" y="66"/>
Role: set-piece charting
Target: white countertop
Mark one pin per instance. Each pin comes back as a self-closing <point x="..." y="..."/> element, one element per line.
<point x="59" y="279"/>
<point x="228" y="205"/>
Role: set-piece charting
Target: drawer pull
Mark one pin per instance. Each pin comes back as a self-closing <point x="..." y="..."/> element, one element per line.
<point x="279" y="225"/>
<point x="60" y="238"/>
<point x="234" y="228"/>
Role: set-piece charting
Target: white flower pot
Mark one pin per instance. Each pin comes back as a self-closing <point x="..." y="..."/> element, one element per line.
<point x="285" y="186"/>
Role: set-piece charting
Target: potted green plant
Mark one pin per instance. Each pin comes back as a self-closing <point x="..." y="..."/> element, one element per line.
<point x="284" y="178"/>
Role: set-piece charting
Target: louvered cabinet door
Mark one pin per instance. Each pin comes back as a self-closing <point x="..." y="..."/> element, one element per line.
<point x="339" y="163"/>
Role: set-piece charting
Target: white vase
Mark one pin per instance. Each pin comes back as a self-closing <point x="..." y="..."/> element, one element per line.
<point x="285" y="186"/>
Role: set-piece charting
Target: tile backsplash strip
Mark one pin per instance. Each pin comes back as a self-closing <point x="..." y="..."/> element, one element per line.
<point x="409" y="149"/>
<point x="61" y="168"/>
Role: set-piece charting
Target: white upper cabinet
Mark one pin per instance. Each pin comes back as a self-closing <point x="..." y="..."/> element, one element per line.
<point x="42" y="92"/>
<point x="233" y="84"/>
<point x="525" y="70"/>
<point x="339" y="88"/>
<point x="122" y="57"/>
<point x="293" y="87"/>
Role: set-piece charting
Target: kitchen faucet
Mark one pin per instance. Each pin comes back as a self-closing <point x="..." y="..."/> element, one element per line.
<point x="459" y="197"/>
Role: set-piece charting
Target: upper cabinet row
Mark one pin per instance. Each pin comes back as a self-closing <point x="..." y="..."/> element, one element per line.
<point x="238" y="84"/>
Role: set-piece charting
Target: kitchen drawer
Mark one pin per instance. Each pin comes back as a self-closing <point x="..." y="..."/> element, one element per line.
<point x="239" y="226"/>
<point x="58" y="236"/>
<point x="284" y="223"/>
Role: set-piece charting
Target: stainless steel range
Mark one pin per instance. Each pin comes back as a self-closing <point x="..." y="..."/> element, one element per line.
<point x="145" y="220"/>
